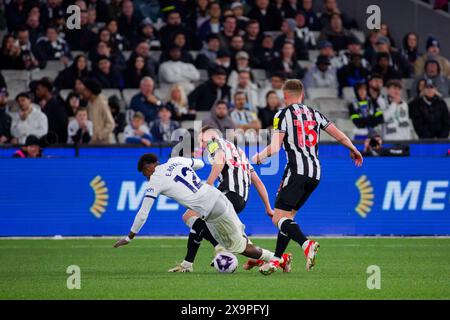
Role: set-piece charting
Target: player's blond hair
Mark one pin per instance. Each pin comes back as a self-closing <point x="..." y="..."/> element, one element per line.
<point x="293" y="87"/>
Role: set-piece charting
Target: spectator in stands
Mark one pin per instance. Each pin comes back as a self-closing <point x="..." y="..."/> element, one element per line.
<point x="175" y="71"/>
<point x="205" y="95"/>
<point x="16" y="13"/>
<point x="243" y="118"/>
<point x="429" y="114"/>
<point x="5" y="118"/>
<point x="321" y="75"/>
<point x="219" y="118"/>
<point x="102" y="10"/>
<point x="143" y="49"/>
<point x="92" y="20"/>
<point x="213" y="24"/>
<point x="303" y="32"/>
<point x="252" y="37"/>
<point x="177" y="102"/>
<point x="290" y="8"/>
<point x="128" y="24"/>
<point x="385" y="31"/>
<point x="336" y="33"/>
<point x="72" y="104"/>
<point x="199" y="14"/>
<point x="353" y="73"/>
<point x="268" y="16"/>
<point x="312" y="20"/>
<point x="206" y="59"/>
<point x="383" y="67"/>
<point x="174" y="25"/>
<point x="107" y="76"/>
<point x="29" y="60"/>
<point x="145" y="101"/>
<point x="34" y="27"/>
<point x="98" y="112"/>
<point x="410" y="49"/>
<point x="267" y="113"/>
<point x="331" y="8"/>
<point x="397" y="125"/>
<point x="82" y="39"/>
<point x="396" y="60"/>
<point x="265" y="53"/>
<point x="29" y="120"/>
<point x="276" y="84"/>
<point x="52" y="47"/>
<point x="137" y="132"/>
<point x="353" y="47"/>
<point x="288" y="29"/>
<point x="364" y="113"/>
<point x="241" y="64"/>
<point x="10" y="55"/>
<point x="53" y="12"/>
<point x="433" y="72"/>
<point x="433" y="52"/>
<point x="80" y="129"/>
<point x="249" y="89"/>
<point x="31" y="149"/>
<point x="163" y="127"/>
<point x="103" y="49"/>
<point x="287" y="62"/>
<point x="117" y="40"/>
<point x="179" y="40"/>
<point x="118" y="116"/>
<point x="227" y="34"/>
<point x="326" y="49"/>
<point x="135" y="72"/>
<point x="375" y="82"/>
<point x="54" y="109"/>
<point x="77" y="70"/>
<point x="370" y="45"/>
<point x="237" y="9"/>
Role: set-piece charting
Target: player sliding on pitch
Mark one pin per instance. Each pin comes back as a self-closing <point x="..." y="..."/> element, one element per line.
<point x="177" y="179"/>
<point x="297" y="128"/>
<point x="231" y="167"/>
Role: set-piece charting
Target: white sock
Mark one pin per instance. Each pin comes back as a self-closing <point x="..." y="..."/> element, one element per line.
<point x="305" y="245"/>
<point x="266" y="255"/>
<point x="186" y="264"/>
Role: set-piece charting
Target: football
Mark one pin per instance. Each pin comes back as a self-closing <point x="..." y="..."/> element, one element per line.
<point x="225" y="262"/>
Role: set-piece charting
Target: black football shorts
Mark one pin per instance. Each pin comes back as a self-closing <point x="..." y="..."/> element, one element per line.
<point x="295" y="193"/>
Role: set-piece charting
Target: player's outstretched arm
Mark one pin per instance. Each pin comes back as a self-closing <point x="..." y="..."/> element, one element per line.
<point x="262" y="191"/>
<point x="271" y="149"/>
<point x="217" y="167"/>
<point x="139" y="221"/>
<point x="340" y="137"/>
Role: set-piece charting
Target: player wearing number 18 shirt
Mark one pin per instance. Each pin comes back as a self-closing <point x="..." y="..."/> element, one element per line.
<point x="297" y="128"/>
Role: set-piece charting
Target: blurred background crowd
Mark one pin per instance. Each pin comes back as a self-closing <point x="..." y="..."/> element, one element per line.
<point x="135" y="71"/>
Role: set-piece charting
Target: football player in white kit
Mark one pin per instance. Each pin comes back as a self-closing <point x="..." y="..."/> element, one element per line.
<point x="177" y="179"/>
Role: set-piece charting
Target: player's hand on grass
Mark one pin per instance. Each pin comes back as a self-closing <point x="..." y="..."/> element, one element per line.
<point x="121" y="242"/>
<point x="356" y="157"/>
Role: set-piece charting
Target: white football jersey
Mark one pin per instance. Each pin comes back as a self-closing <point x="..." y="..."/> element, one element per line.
<point x="177" y="179"/>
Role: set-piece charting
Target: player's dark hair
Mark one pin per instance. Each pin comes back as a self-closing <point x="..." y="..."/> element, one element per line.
<point x="148" y="158"/>
<point x="206" y="128"/>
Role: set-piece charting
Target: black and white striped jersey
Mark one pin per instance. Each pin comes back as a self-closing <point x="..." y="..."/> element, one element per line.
<point x="236" y="174"/>
<point x="301" y="125"/>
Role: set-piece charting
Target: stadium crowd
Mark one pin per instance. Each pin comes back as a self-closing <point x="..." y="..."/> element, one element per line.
<point x="135" y="71"/>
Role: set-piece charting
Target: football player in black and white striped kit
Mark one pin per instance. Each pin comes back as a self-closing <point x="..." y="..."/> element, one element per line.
<point x="297" y="127"/>
<point x="231" y="166"/>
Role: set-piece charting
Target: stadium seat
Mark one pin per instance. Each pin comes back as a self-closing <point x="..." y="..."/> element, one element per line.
<point x="16" y="75"/>
<point x="126" y="54"/>
<point x="325" y="137"/>
<point x="64" y="93"/>
<point x="47" y="73"/>
<point x="155" y="55"/>
<point x="203" y="75"/>
<point x="194" y="54"/>
<point x="187" y="124"/>
<point x="77" y="53"/>
<point x="16" y="86"/>
<point x="407" y="84"/>
<point x="128" y="94"/>
<point x="346" y="125"/>
<point x="333" y="108"/>
<point x="305" y="63"/>
<point x="313" y="54"/>
<point x="259" y="75"/>
<point x="316" y="35"/>
<point x="54" y="66"/>
<point x="359" y="35"/>
<point x="112" y="92"/>
<point x="202" y="115"/>
<point x="311" y="103"/>
<point x="447" y="101"/>
<point x="314" y="93"/>
<point x="161" y="92"/>
<point x="348" y="93"/>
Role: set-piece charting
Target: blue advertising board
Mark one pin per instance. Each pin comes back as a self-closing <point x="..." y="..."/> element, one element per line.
<point x="100" y="196"/>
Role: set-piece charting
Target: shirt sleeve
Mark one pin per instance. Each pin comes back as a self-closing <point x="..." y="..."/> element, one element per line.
<point x="322" y="120"/>
<point x="151" y="193"/>
<point x="195" y="164"/>
<point x="279" y="121"/>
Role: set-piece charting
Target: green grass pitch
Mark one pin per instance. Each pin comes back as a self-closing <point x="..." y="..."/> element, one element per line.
<point x="411" y="268"/>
